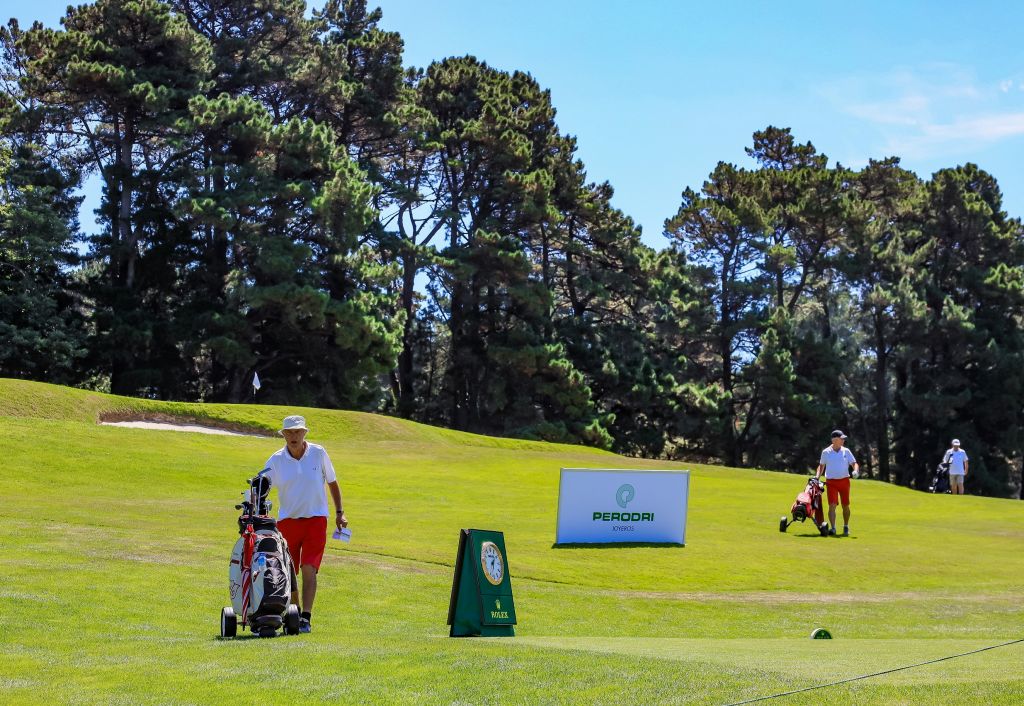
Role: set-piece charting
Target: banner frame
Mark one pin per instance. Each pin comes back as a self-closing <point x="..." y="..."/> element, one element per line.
<point x="646" y="471"/>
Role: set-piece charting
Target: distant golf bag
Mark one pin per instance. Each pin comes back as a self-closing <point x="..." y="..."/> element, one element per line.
<point x="940" y="481"/>
<point x="261" y="574"/>
<point x="808" y="504"/>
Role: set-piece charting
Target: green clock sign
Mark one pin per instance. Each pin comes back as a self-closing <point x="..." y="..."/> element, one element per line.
<point x="481" y="601"/>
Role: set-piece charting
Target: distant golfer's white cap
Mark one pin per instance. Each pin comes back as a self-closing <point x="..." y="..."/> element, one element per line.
<point x="956" y="442"/>
<point x="294" y="422"/>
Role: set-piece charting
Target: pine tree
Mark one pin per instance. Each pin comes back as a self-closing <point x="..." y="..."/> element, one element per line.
<point x="807" y="206"/>
<point x="112" y="85"/>
<point x="883" y="263"/>
<point x="290" y="286"/>
<point x="489" y="178"/>
<point x="42" y="326"/>
<point x="720" y="233"/>
<point x="963" y="377"/>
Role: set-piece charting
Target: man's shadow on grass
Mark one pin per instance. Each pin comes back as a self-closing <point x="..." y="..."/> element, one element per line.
<point x="818" y="535"/>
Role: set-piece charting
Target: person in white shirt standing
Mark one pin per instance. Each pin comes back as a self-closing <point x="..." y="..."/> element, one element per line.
<point x="836" y="461"/>
<point x="956" y="457"/>
<point x="300" y="471"/>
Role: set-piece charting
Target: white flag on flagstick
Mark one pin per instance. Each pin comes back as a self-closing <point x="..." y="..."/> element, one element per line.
<point x="255" y="382"/>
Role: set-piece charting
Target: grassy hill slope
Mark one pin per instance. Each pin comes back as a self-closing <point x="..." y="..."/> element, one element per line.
<point x="116" y="545"/>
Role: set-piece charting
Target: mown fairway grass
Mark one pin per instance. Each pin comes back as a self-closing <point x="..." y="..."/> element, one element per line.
<point x="115" y="547"/>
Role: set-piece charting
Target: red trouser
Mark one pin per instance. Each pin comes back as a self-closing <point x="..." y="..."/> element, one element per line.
<point x="306" y="537"/>
<point x="838" y="489"/>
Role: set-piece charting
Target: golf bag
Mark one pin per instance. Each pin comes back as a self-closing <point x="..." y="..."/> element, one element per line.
<point x="940" y="480"/>
<point x="808" y="504"/>
<point x="261" y="574"/>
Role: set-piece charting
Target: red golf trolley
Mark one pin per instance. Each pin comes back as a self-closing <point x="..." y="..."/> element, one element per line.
<point x="808" y="504"/>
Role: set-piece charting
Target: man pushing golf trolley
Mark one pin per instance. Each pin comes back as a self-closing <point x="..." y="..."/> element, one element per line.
<point x="263" y="581"/>
<point x="835" y="462"/>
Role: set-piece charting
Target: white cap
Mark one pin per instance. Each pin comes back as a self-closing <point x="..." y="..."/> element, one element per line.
<point x="294" y="422"/>
<point x="956" y="442"/>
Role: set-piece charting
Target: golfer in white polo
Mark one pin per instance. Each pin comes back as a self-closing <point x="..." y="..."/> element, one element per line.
<point x="836" y="461"/>
<point x="956" y="457"/>
<point x="300" y="471"/>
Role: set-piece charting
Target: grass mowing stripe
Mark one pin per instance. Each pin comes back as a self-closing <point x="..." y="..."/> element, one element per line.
<point x="875" y="674"/>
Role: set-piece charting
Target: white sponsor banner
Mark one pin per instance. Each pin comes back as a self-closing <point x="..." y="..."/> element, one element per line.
<point x="608" y="505"/>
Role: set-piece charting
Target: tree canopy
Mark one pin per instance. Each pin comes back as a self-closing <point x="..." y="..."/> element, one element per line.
<point x="281" y="195"/>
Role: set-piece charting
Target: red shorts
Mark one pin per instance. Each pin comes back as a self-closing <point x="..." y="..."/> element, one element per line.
<point x="306" y="537"/>
<point x="838" y="489"/>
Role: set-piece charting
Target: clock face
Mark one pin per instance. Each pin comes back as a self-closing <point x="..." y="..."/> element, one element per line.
<point x="490" y="560"/>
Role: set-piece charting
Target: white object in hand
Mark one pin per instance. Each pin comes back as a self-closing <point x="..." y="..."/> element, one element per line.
<point x="344" y="534"/>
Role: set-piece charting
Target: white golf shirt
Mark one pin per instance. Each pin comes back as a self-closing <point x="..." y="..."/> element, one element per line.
<point x="956" y="459"/>
<point x="300" y="482"/>
<point x="837" y="463"/>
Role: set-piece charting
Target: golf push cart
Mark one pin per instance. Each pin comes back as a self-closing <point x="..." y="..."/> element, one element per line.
<point x="940" y="479"/>
<point x="808" y="504"/>
<point x="261" y="574"/>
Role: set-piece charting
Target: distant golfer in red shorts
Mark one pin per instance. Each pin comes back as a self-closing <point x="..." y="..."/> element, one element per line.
<point x="299" y="471"/>
<point x="835" y="462"/>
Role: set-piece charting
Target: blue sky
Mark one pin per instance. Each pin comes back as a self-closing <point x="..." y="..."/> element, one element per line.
<point x="657" y="92"/>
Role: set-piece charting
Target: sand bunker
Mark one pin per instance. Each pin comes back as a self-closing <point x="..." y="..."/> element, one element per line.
<point x="164" y="426"/>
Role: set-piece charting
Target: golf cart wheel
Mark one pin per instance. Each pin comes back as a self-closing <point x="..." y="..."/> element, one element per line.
<point x="783" y="525"/>
<point x="291" y="620"/>
<point x="228" y="623"/>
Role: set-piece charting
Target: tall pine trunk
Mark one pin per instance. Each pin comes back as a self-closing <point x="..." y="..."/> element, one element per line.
<point x="123" y="257"/>
<point x="902" y="456"/>
<point x="406" y="391"/>
<point x="729" y="445"/>
<point x="881" y="401"/>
